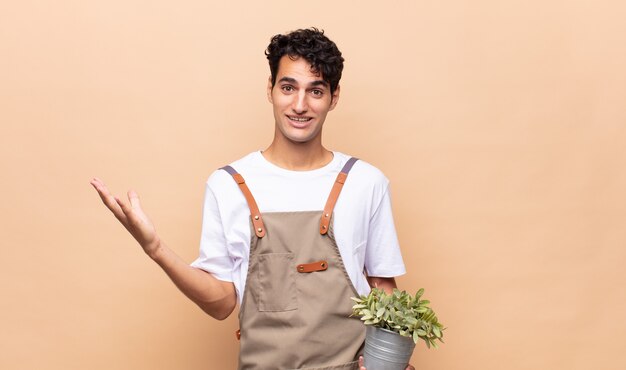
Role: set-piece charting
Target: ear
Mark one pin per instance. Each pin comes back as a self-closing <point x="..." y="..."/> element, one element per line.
<point x="335" y="98"/>
<point x="269" y="90"/>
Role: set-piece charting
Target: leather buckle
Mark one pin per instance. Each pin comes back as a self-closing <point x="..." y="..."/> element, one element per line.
<point x="312" y="267"/>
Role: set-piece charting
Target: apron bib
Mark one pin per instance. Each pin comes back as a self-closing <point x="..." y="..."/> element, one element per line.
<point x="295" y="312"/>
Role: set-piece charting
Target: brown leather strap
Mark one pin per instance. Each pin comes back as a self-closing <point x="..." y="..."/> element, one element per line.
<point x="255" y="214"/>
<point x="312" y="267"/>
<point x="334" y="195"/>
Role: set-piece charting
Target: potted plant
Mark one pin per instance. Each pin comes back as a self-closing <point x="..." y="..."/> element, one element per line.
<point x="395" y="322"/>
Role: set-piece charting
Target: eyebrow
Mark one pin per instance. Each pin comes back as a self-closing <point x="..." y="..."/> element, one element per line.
<point x="312" y="84"/>
<point x="319" y="83"/>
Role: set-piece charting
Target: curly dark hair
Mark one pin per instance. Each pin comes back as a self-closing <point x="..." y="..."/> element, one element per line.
<point x="314" y="47"/>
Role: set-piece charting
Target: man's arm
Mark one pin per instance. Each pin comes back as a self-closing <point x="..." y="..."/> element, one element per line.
<point x="215" y="297"/>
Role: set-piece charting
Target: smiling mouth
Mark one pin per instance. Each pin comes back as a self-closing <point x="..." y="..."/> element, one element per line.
<point x="299" y="119"/>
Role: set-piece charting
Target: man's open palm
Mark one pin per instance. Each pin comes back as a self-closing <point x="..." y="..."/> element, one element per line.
<point x="130" y="215"/>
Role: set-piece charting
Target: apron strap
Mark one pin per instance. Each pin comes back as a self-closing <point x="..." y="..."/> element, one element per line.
<point x="334" y="195"/>
<point x="255" y="214"/>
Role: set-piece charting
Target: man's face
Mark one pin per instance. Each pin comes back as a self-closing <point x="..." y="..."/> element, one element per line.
<point x="301" y="100"/>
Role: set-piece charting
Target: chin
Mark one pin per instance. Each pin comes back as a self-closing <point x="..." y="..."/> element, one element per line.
<point x="299" y="140"/>
<point x="298" y="135"/>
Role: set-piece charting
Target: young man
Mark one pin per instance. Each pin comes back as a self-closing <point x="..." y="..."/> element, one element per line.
<point x="289" y="233"/>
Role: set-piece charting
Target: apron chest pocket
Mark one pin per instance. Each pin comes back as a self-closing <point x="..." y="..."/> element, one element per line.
<point x="277" y="282"/>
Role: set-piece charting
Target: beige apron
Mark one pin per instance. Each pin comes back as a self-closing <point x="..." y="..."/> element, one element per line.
<point x="296" y="306"/>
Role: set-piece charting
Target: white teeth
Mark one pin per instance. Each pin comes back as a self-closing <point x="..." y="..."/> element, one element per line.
<point x="299" y="119"/>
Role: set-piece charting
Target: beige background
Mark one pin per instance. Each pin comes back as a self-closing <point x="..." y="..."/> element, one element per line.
<point x="501" y="125"/>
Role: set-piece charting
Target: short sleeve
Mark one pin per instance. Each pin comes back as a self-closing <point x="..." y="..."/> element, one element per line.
<point x="383" y="257"/>
<point x="213" y="257"/>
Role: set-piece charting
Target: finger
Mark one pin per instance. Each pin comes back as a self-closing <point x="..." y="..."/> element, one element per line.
<point x="108" y="199"/>
<point x="133" y="218"/>
<point x="97" y="183"/>
<point x="100" y="188"/>
<point x="361" y="367"/>
<point x="125" y="207"/>
<point x="133" y="197"/>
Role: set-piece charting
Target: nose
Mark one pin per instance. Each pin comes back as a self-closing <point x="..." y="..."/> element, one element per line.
<point x="300" y="105"/>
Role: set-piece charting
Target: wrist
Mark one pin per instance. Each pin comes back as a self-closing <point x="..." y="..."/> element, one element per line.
<point x="153" y="249"/>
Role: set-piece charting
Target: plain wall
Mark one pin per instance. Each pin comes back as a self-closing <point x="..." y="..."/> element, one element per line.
<point x="501" y="125"/>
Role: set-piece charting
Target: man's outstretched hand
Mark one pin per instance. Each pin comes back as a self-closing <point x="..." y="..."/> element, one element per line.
<point x="131" y="216"/>
<point x="361" y="367"/>
<point x="216" y="297"/>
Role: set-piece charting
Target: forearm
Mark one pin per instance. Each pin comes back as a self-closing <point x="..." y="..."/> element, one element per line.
<point x="215" y="297"/>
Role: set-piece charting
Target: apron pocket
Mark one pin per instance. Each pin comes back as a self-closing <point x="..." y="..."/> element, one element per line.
<point x="277" y="282"/>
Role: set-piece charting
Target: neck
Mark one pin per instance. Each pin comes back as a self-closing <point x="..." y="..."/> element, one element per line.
<point x="298" y="156"/>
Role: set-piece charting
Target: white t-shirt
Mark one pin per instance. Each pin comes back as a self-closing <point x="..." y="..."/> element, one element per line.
<point x="362" y="219"/>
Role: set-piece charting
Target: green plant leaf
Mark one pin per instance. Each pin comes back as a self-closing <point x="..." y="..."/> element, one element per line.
<point x="380" y="312"/>
<point x="400" y="312"/>
<point x="419" y="293"/>
<point x="437" y="332"/>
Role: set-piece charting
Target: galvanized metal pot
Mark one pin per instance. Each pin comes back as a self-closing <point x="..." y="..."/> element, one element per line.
<point x="386" y="350"/>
